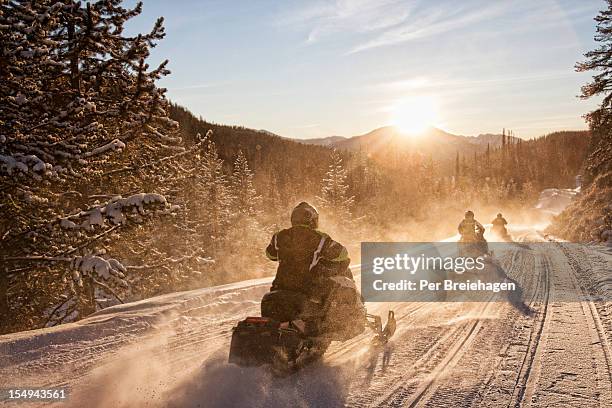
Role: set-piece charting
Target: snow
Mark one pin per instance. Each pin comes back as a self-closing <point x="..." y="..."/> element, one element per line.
<point x="114" y="211"/>
<point x="554" y="200"/>
<point x="22" y="163"/>
<point x="606" y="236"/>
<point x="146" y="314"/>
<point x="67" y="224"/>
<point x="96" y="266"/>
<point x="115" y="145"/>
<point x="179" y="341"/>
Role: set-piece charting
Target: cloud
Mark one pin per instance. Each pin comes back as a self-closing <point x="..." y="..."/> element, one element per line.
<point x="323" y="19"/>
<point x="430" y="23"/>
<point x="372" y="24"/>
<point x="384" y="22"/>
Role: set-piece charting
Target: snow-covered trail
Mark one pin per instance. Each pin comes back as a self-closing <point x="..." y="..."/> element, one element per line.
<point x="171" y="350"/>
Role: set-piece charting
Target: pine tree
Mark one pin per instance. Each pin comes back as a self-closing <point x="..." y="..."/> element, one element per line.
<point x="334" y="198"/>
<point x="457" y="167"/>
<point x="246" y="200"/>
<point x="79" y="111"/>
<point x="600" y="60"/>
<point x="216" y="198"/>
<point x="600" y="120"/>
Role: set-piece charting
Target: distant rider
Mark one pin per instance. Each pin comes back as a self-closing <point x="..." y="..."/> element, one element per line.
<point x="499" y="225"/>
<point x="304" y="255"/>
<point x="470" y="229"/>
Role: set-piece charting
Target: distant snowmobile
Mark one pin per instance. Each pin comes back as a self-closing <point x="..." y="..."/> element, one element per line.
<point x="499" y="228"/>
<point x="290" y="345"/>
<point x="472" y="243"/>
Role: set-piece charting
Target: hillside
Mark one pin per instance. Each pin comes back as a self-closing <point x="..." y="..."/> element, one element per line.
<point x="589" y="217"/>
<point x="276" y="161"/>
<point x="491" y="139"/>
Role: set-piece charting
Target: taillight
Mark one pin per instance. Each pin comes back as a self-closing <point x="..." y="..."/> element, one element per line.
<point x="257" y="320"/>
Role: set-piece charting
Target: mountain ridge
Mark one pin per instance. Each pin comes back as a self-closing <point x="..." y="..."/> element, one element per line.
<point x="347" y="142"/>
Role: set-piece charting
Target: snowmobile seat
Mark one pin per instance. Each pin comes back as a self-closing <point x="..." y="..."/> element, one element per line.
<point x="286" y="305"/>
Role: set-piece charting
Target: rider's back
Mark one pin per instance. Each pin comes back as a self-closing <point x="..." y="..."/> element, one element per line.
<point x="499" y="222"/>
<point x="304" y="254"/>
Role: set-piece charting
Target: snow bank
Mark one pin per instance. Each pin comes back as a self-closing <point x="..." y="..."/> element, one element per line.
<point x="125" y="322"/>
<point x="554" y="200"/>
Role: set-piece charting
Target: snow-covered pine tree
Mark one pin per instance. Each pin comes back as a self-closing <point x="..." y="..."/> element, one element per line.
<point x="600" y="119"/>
<point x="589" y="216"/>
<point x="246" y="201"/>
<point x="216" y="198"/>
<point x="246" y="235"/>
<point x="81" y="122"/>
<point x="334" y="198"/>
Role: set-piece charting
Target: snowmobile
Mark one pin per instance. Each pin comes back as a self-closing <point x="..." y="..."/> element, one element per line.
<point x="501" y="232"/>
<point x="295" y="330"/>
<point x="474" y="246"/>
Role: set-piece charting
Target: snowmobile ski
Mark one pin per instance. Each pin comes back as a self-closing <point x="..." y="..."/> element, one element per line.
<point x="382" y="335"/>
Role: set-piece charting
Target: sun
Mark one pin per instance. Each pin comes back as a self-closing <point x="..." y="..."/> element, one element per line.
<point x="413" y="116"/>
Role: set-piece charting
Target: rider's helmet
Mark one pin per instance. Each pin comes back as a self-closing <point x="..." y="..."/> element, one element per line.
<point x="305" y="214"/>
<point x="469" y="215"/>
<point x="499" y="215"/>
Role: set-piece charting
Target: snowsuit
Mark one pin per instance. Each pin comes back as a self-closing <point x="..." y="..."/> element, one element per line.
<point x="306" y="256"/>
<point x="470" y="230"/>
<point x="499" y="222"/>
<point x="499" y="226"/>
<point x="472" y="237"/>
<point x="303" y="254"/>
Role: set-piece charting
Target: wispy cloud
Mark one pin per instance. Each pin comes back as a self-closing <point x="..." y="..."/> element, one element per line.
<point x="431" y="22"/>
<point x="386" y="22"/>
<point x="324" y="18"/>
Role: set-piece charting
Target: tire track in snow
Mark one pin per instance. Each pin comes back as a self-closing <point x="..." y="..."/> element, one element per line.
<point x="427" y="388"/>
<point x="548" y="378"/>
<point x="460" y="337"/>
<point x="529" y="371"/>
<point x="598" y="333"/>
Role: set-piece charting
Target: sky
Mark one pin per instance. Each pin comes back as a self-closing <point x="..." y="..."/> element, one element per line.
<point x="307" y="69"/>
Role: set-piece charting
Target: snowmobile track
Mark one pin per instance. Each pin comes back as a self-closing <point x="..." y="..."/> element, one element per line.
<point x="428" y="387"/>
<point x="402" y="393"/>
<point x="528" y="374"/>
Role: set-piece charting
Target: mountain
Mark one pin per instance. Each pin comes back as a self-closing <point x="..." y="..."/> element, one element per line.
<point x="491" y="139"/>
<point x="389" y="145"/>
<point x="324" y="141"/>
<point x="386" y="134"/>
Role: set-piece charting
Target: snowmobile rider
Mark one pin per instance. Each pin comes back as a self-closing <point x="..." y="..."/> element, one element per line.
<point x="499" y="224"/>
<point x="499" y="221"/>
<point x="470" y="229"/>
<point x="304" y="255"/>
